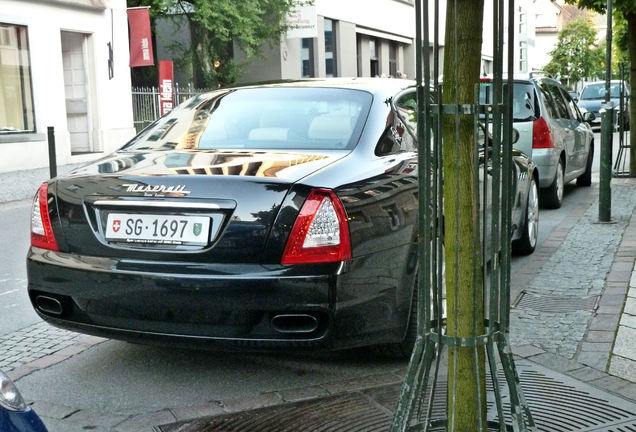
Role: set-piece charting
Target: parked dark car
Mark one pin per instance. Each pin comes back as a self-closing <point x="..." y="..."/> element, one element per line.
<point x="593" y="96"/>
<point x="278" y="216"/>
<point x="553" y="132"/>
<point x="15" y="415"/>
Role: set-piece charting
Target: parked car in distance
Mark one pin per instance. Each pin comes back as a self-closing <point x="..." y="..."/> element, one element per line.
<point x="553" y="132"/>
<point x="574" y="95"/>
<point x="279" y="216"/>
<point x="593" y="96"/>
<point x="15" y="415"/>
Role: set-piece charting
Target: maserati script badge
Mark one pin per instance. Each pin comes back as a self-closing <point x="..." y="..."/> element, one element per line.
<point x="158" y="190"/>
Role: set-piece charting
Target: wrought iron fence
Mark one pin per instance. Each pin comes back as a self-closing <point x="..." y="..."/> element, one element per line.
<point x="146" y="102"/>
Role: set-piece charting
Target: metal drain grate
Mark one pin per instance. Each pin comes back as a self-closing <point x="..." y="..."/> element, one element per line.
<point x="631" y="427"/>
<point x="543" y="303"/>
<point x="558" y="404"/>
<point x="351" y="412"/>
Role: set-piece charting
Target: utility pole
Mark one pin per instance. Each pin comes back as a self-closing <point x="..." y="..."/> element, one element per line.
<point x="607" y="129"/>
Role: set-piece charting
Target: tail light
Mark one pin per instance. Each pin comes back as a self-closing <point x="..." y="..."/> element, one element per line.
<point x="41" y="229"/>
<point x="541" y="136"/>
<point x="321" y="231"/>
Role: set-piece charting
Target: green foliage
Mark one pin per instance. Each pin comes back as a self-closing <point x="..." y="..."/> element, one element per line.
<point x="215" y="26"/>
<point x="573" y="56"/>
<point x="601" y="5"/>
<point x="623" y="10"/>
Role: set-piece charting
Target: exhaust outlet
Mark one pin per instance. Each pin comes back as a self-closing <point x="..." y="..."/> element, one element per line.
<point x="294" y="323"/>
<point x="49" y="305"/>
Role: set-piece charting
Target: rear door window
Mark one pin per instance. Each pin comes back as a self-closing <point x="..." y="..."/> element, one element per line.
<point x="556" y="103"/>
<point x="571" y="105"/>
<point x="400" y="133"/>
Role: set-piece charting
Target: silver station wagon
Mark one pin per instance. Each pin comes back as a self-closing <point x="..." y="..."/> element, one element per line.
<point x="553" y="133"/>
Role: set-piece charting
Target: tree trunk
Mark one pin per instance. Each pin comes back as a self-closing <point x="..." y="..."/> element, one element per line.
<point x="462" y="61"/>
<point x="631" y="46"/>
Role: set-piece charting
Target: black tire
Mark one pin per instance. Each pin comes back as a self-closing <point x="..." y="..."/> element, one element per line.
<point x="527" y="243"/>
<point x="402" y="350"/>
<point x="585" y="179"/>
<point x="552" y="196"/>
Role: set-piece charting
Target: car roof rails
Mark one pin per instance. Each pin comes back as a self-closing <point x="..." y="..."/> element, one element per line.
<point x="540" y="74"/>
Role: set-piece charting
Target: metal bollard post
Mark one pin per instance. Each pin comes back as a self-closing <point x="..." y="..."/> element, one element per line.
<point x="52" y="158"/>
<point x="605" y="191"/>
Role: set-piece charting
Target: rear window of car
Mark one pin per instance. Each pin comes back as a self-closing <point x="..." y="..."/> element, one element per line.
<point x="284" y="118"/>
<point x="524" y="107"/>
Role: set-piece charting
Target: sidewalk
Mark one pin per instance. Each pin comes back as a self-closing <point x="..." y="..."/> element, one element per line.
<point x="573" y="334"/>
<point x="21" y="185"/>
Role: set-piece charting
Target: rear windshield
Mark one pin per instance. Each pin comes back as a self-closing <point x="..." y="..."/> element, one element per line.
<point x="261" y="118"/>
<point x="523" y="101"/>
<point x="597" y="91"/>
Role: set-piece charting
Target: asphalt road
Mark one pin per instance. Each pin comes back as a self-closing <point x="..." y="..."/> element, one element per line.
<point x="15" y="308"/>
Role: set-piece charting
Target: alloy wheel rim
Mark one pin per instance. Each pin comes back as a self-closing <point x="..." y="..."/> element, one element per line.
<point x="533" y="213"/>
<point x="559" y="180"/>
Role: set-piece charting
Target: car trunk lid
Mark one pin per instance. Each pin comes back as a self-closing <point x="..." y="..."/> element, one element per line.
<point x="213" y="206"/>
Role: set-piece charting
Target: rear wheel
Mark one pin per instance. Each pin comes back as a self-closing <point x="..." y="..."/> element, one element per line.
<point x="585" y="179"/>
<point x="552" y="196"/>
<point x="528" y="241"/>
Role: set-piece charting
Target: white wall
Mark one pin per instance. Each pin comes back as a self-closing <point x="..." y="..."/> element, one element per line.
<point x="391" y="16"/>
<point x="110" y="100"/>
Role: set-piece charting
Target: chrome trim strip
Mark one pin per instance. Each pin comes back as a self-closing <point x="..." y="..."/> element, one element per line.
<point x="169" y="204"/>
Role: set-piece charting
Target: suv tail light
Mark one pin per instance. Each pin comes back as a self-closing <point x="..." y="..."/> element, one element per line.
<point x="541" y="136"/>
<point x="321" y="231"/>
<point x="41" y="229"/>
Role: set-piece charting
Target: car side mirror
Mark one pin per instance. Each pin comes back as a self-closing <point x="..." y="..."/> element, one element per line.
<point x="589" y="117"/>
<point x="515" y="135"/>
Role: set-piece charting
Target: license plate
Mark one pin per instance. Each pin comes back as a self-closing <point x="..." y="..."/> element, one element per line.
<point x="158" y="229"/>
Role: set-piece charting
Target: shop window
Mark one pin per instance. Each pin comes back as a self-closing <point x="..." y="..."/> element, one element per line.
<point x="393" y="49"/>
<point x="16" y="106"/>
<point x="373" y="57"/>
<point x="330" y="48"/>
<point x="307" y="58"/>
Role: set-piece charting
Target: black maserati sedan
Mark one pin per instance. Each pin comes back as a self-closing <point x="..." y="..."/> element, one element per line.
<point x="279" y="216"/>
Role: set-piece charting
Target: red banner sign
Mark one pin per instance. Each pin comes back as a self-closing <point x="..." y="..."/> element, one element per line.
<point x="165" y="86"/>
<point x="140" y="37"/>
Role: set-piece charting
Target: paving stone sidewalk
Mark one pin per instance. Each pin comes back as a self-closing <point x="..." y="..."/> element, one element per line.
<point x="566" y="290"/>
<point x="623" y="359"/>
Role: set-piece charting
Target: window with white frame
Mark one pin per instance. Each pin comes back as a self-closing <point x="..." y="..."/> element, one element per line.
<point x="523" y="21"/>
<point x="523" y="56"/>
<point x="16" y="106"/>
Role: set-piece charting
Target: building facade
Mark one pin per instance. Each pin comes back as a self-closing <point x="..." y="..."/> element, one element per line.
<point x="367" y="38"/>
<point x="63" y="63"/>
<point x="352" y="38"/>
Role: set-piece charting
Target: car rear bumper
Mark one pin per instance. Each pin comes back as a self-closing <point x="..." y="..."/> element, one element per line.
<point x="546" y="161"/>
<point x="231" y="306"/>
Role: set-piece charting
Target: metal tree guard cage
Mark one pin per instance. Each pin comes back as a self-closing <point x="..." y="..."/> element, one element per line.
<point x="620" y="165"/>
<point x="419" y="405"/>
